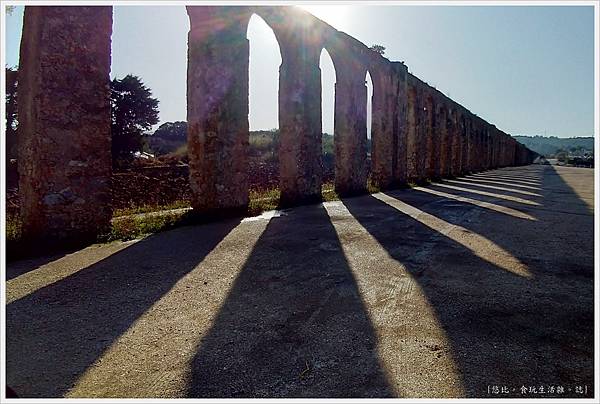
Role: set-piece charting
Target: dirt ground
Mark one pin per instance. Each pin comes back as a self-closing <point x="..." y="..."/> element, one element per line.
<point x="476" y="287"/>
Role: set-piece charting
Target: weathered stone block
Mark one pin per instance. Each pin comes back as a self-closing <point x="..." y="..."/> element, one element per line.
<point x="217" y="110"/>
<point x="383" y="137"/>
<point x="64" y="122"/>
<point x="300" y="127"/>
<point x="350" y="128"/>
<point x="400" y="122"/>
<point x="455" y="144"/>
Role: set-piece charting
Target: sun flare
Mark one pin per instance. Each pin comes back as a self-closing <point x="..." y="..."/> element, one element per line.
<point x="334" y="15"/>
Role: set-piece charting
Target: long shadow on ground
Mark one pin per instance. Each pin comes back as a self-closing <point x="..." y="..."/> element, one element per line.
<point x="54" y="334"/>
<point x="505" y="329"/>
<point x="294" y="323"/>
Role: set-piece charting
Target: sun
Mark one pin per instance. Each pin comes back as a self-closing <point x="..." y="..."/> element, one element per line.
<point x="334" y="15"/>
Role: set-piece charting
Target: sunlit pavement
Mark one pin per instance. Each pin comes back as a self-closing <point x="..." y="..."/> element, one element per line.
<point x="477" y="286"/>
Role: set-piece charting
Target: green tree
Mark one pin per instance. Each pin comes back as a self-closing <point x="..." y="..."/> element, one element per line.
<point x="172" y="131"/>
<point x="133" y="111"/>
<point x="378" y="48"/>
<point x="12" y="119"/>
<point x="561" y="156"/>
<point x="167" y="138"/>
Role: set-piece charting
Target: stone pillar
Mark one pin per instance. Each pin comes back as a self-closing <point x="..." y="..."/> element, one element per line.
<point x="484" y="151"/>
<point x="474" y="144"/>
<point x="421" y="155"/>
<point x="468" y="144"/>
<point x="502" y="150"/>
<point x="431" y="139"/>
<point x="506" y="151"/>
<point x="492" y="147"/>
<point x="217" y="107"/>
<point x="450" y="143"/>
<point x="464" y="144"/>
<point x="445" y="144"/>
<point x="350" y="127"/>
<point x="400" y="121"/>
<point x="513" y="153"/>
<point x="383" y="140"/>
<point x="497" y="149"/>
<point x="455" y="144"/>
<point x="441" y="133"/>
<point x="64" y="138"/>
<point x="300" y="127"/>
<point x="439" y="125"/>
<point x="412" y="133"/>
<point x="477" y="146"/>
<point x="486" y="147"/>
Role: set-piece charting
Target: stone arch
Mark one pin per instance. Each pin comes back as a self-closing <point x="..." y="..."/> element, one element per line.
<point x="327" y="110"/>
<point x="217" y="88"/>
<point x="350" y="115"/>
<point x="368" y="123"/>
<point x="218" y="118"/>
<point x="268" y="72"/>
<point x="300" y="123"/>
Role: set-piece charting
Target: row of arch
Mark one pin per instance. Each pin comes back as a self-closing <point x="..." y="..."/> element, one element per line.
<point x="217" y="38"/>
<point x="405" y="134"/>
<point x="64" y="141"/>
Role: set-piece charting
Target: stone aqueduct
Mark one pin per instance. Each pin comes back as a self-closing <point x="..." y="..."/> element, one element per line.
<point x="64" y="143"/>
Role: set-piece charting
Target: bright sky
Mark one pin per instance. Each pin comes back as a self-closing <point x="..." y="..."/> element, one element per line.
<point x="526" y="69"/>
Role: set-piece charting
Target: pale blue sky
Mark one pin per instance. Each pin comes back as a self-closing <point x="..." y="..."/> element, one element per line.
<point x="526" y="69"/>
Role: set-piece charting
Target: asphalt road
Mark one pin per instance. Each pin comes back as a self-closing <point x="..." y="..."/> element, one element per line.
<point x="474" y="287"/>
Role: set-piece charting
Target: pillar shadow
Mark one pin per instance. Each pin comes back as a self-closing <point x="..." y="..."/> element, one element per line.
<point x="30" y="264"/>
<point x="521" y="202"/>
<point x="494" y="189"/>
<point x="54" y="334"/>
<point x="504" y="329"/>
<point x="294" y="323"/>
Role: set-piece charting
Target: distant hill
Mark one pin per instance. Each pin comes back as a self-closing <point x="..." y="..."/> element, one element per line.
<point x="549" y="146"/>
<point x="171" y="137"/>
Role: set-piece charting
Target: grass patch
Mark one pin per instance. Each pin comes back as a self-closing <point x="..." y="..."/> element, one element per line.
<point x="134" y="226"/>
<point x="14" y="227"/>
<point x="328" y="192"/>
<point x="263" y="200"/>
<point x="372" y="188"/>
<point x="135" y="209"/>
<point x="139" y="221"/>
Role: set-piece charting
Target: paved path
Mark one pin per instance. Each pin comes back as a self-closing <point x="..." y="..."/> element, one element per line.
<point x="440" y="291"/>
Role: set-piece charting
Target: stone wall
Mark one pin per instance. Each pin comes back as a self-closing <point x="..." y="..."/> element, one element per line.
<point x="418" y="133"/>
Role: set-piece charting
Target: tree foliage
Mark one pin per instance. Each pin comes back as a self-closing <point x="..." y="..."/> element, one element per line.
<point x="378" y="48"/>
<point x="167" y="138"/>
<point x="172" y="131"/>
<point x="133" y="111"/>
<point x="549" y="146"/>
